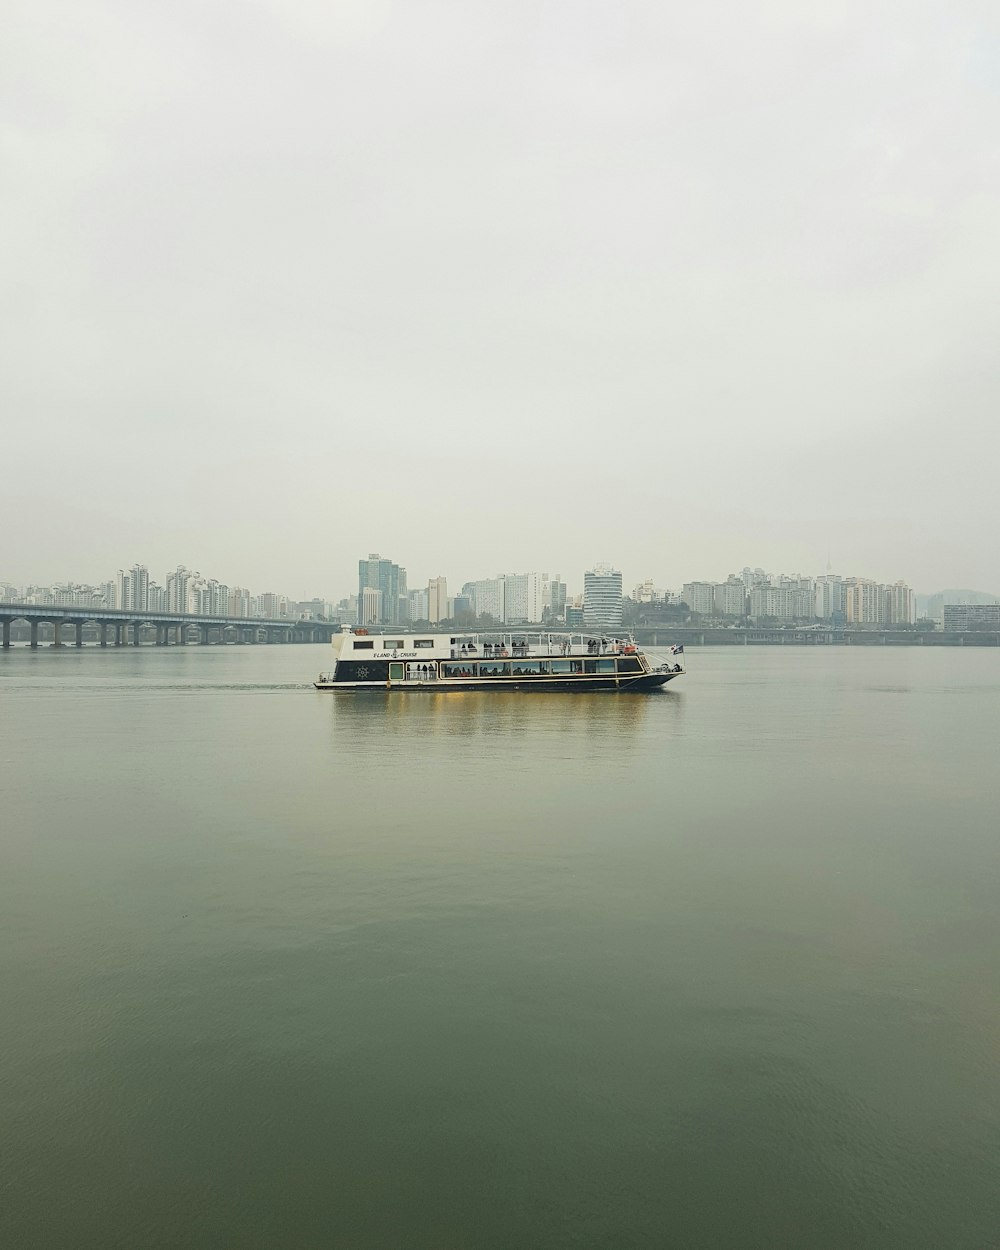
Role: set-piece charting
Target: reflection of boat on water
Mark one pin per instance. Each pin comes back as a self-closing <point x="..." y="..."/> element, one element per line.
<point x="508" y="661"/>
<point x="549" y="726"/>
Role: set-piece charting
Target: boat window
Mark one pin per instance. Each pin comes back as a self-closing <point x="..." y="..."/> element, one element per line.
<point x="458" y="670"/>
<point x="494" y="670"/>
<point x="629" y="664"/>
<point x="590" y="666"/>
<point x="526" y="667"/>
<point x="605" y="666"/>
<point x="395" y="672"/>
<point x="563" y="666"/>
<point x="364" y="646"/>
<point x="392" y="644"/>
<point x="423" y="642"/>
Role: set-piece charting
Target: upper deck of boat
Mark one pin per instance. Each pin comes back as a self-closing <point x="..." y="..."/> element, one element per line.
<point x="497" y="644"/>
<point x="547" y="644"/>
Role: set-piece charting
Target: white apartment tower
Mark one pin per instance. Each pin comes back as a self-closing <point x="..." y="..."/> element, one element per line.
<point x="700" y="597"/>
<point x="369" y="605"/>
<point x="132" y="588"/>
<point x="437" y="599"/>
<point x="179" y="584"/>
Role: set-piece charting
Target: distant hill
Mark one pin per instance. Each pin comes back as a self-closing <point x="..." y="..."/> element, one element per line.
<point x="933" y="605"/>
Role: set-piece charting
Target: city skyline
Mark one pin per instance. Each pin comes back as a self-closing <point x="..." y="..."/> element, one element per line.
<point x="509" y="596"/>
<point x="682" y="569"/>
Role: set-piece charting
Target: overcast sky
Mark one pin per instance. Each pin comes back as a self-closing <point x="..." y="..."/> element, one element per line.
<point x="497" y="287"/>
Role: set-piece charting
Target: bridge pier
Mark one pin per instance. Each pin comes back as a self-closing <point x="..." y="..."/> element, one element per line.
<point x="137" y="637"/>
<point x="57" y="633"/>
<point x="6" y="635"/>
<point x="34" y="635"/>
<point x="203" y="635"/>
<point x="102" y="632"/>
<point x="78" y="625"/>
<point x="161" y="635"/>
<point x="182" y="635"/>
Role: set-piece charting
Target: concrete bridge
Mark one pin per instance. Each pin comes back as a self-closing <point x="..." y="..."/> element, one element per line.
<point x="126" y="628"/>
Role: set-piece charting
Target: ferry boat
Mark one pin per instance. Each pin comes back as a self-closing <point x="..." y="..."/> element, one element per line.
<point x="510" y="661"/>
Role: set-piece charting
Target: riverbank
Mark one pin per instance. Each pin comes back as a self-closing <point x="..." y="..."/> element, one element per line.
<point x="663" y="635"/>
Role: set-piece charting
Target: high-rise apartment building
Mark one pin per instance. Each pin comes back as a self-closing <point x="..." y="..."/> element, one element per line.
<point x="132" y="589"/>
<point x="488" y="597"/>
<point x="538" y="596"/>
<point x="864" y="602"/>
<point x="418" y="602"/>
<point x="219" y="598"/>
<point x="140" y="587"/>
<point x="517" y="592"/>
<point x="646" y="592"/>
<point x="900" y="605"/>
<point x="516" y="598"/>
<point x="389" y="580"/>
<point x="603" y="605"/>
<point x="700" y="597"/>
<point x="369" y="606"/>
<point x="239" y="602"/>
<point x="731" y="597"/>
<point x="437" y="600"/>
<point x="273" y="606"/>
<point x="179" y="583"/>
<point x="870" y="603"/>
<point x="784" y="601"/>
<point x="830" y="598"/>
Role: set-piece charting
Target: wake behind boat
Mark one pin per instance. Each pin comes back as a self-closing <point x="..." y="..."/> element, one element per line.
<point x="511" y="661"/>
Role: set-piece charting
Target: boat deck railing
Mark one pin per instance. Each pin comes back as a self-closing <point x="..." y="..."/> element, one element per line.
<point x="510" y="647"/>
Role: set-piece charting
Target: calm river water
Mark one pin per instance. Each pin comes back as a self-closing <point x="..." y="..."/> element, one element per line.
<point x="715" y="967"/>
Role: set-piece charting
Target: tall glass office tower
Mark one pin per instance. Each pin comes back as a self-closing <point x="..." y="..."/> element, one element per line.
<point x="387" y="578"/>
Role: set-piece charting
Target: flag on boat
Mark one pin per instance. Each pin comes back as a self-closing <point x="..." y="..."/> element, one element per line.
<point x="678" y="650"/>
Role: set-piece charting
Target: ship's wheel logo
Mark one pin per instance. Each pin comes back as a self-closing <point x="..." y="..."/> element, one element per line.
<point x="363" y="672"/>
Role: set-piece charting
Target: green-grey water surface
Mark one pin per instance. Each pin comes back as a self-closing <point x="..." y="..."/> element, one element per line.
<point x="715" y="967"/>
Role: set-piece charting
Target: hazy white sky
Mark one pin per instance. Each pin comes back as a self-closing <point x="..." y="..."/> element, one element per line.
<point x="494" y="287"/>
